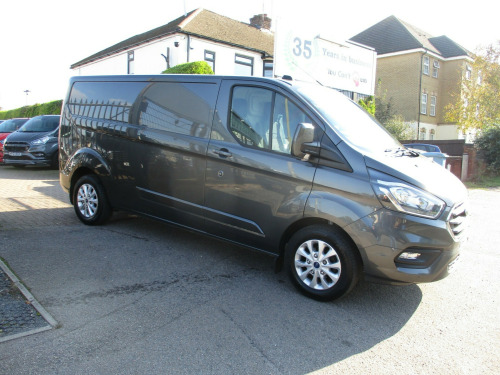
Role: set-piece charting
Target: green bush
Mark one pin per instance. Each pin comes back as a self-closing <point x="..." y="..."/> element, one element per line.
<point x="397" y="126"/>
<point x="50" y="108"/>
<point x="197" y="67"/>
<point x="368" y="104"/>
<point x="488" y="146"/>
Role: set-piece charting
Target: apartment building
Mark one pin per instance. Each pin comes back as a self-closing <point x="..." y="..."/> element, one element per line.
<point x="419" y="73"/>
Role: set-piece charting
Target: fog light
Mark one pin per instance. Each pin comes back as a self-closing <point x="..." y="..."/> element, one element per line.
<point x="409" y="256"/>
<point x="417" y="259"/>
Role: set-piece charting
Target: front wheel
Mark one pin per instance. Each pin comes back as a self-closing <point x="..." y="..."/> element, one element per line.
<point x="90" y="201"/>
<point x="322" y="263"/>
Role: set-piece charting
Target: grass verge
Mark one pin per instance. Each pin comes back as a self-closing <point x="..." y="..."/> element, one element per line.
<point x="484" y="182"/>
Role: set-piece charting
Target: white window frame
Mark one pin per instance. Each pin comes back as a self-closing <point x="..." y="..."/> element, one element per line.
<point x="432" y="110"/>
<point x="468" y="72"/>
<point x="426" y="63"/>
<point x="432" y="133"/>
<point x="435" y="69"/>
<point x="423" y="104"/>
<point x="421" y="136"/>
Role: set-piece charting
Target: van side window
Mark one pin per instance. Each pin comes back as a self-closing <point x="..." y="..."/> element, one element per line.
<point x="251" y="115"/>
<point x="182" y="108"/>
<point x="286" y="117"/>
<point x="264" y="119"/>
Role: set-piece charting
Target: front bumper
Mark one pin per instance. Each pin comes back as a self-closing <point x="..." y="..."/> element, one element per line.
<point x="398" y="248"/>
<point x="35" y="155"/>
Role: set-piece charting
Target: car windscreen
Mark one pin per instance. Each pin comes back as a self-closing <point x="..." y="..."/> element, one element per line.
<point x="11" y="125"/>
<point x="353" y="124"/>
<point x="40" y="124"/>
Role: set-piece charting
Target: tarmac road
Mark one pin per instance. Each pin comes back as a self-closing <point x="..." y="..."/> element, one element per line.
<point x="137" y="296"/>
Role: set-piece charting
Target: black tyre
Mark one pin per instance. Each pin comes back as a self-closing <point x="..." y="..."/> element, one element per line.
<point x="322" y="263"/>
<point x="90" y="201"/>
<point x="54" y="163"/>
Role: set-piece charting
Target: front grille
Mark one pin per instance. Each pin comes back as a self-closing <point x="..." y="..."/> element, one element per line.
<point x="457" y="219"/>
<point x="16" y="147"/>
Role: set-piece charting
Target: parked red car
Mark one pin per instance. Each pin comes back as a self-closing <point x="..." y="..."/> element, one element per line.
<point x="8" y="127"/>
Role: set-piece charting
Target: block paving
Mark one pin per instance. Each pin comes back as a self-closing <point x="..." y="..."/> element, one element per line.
<point x="29" y="198"/>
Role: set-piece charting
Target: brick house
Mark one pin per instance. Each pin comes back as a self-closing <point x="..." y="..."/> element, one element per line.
<point x="229" y="46"/>
<point x="419" y="73"/>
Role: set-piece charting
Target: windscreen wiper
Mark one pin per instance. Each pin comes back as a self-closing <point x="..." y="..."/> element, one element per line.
<point x="402" y="151"/>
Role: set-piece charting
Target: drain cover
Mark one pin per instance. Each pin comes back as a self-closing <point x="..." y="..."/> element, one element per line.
<point x="18" y="315"/>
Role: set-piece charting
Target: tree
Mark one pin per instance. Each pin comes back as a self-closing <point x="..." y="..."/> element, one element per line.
<point x="381" y="109"/>
<point x="488" y="146"/>
<point x="477" y="105"/>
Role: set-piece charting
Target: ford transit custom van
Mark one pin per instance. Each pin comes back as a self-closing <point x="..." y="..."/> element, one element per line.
<point x="34" y="143"/>
<point x="292" y="169"/>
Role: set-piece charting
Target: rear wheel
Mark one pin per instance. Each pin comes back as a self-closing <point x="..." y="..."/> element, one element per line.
<point x="322" y="263"/>
<point x="90" y="201"/>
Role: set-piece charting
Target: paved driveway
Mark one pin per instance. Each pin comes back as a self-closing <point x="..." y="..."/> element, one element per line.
<point x="137" y="296"/>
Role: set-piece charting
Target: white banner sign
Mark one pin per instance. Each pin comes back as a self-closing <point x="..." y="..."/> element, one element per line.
<point x="304" y="55"/>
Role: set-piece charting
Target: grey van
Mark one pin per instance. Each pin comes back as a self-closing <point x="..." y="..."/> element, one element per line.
<point x="292" y="169"/>
<point x="34" y="143"/>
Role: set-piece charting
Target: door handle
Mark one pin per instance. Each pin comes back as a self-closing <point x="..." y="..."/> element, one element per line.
<point x="223" y="153"/>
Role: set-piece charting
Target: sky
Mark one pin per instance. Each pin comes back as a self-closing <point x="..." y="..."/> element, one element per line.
<point x="40" y="39"/>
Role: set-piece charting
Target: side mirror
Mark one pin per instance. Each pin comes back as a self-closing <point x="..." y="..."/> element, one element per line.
<point x="303" y="139"/>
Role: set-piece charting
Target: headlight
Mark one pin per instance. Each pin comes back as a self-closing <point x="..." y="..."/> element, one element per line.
<point x="41" y="141"/>
<point x="401" y="197"/>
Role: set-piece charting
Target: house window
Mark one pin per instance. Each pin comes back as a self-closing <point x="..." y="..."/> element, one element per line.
<point x="130" y="62"/>
<point x="421" y="136"/>
<point x="468" y="72"/>
<point x="433" y="106"/>
<point x="435" y="69"/>
<point x="426" y="65"/>
<point x="243" y="65"/>
<point x="210" y="59"/>
<point x="268" y="69"/>
<point x="423" y="104"/>
<point x="431" y="134"/>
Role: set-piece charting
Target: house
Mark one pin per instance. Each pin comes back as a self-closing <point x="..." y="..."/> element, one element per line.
<point x="419" y="73"/>
<point x="228" y="46"/>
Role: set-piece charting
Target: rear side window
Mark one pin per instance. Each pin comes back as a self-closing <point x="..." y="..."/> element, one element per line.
<point x="178" y="107"/>
<point x="110" y="101"/>
<point x="262" y="118"/>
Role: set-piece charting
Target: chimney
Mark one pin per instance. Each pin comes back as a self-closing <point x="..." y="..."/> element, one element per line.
<point x="261" y="21"/>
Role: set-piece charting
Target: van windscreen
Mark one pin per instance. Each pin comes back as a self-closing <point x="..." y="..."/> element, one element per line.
<point x="353" y="124"/>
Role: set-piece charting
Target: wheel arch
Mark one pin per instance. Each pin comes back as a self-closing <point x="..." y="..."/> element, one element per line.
<point x="85" y="161"/>
<point x="311" y="221"/>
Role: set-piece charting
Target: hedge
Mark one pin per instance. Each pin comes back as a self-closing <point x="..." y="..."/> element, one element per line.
<point x="50" y="108"/>
<point x="197" y="67"/>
